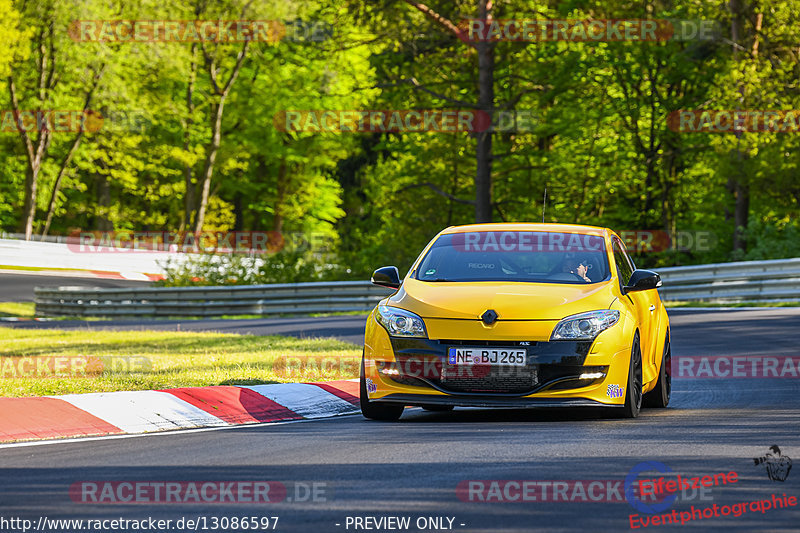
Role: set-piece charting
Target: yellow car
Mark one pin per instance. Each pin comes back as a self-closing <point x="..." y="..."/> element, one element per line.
<point x="517" y="315"/>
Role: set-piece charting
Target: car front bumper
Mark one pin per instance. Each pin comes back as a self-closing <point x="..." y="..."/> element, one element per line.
<point x="416" y="371"/>
<point x="472" y="401"/>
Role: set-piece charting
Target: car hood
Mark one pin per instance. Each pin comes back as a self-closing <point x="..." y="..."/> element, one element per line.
<point x="511" y="301"/>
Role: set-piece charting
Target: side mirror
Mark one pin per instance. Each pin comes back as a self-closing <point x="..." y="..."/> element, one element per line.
<point x="387" y="277"/>
<point x="642" y="280"/>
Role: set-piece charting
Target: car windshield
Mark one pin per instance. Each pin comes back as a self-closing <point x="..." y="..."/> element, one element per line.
<point x="517" y="256"/>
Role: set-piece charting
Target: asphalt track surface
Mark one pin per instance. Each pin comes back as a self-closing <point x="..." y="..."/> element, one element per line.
<point x="19" y="287"/>
<point x="412" y="468"/>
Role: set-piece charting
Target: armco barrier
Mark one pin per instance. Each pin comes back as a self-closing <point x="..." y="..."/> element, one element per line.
<point x="742" y="281"/>
<point x="289" y="298"/>
<point x="722" y="282"/>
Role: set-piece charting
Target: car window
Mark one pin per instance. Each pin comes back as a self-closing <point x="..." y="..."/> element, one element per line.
<point x="519" y="256"/>
<point x="624" y="263"/>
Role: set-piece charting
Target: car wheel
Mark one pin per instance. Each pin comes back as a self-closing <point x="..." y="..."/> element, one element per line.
<point x="633" y="393"/>
<point x="435" y="408"/>
<point x="659" y="396"/>
<point x="376" y="410"/>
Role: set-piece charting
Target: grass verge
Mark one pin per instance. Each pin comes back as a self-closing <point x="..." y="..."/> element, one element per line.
<point x="41" y="269"/>
<point x="17" y="309"/>
<point x="28" y="310"/>
<point x="37" y="362"/>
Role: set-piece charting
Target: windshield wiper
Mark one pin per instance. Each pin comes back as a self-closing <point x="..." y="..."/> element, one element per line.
<point x="438" y="280"/>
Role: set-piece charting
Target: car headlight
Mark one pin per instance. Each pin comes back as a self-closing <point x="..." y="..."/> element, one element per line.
<point x="584" y="326"/>
<point x="401" y="323"/>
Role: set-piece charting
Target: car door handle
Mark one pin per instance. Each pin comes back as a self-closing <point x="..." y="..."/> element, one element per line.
<point x="652" y="308"/>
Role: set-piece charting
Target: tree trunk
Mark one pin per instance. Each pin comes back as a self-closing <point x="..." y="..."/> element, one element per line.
<point x="281" y="188"/>
<point x="35" y="151"/>
<point x="103" y="202"/>
<point x="741" y="212"/>
<point x="737" y="184"/>
<point x="216" y="131"/>
<point x="649" y="179"/>
<point x="188" y="169"/>
<point x="51" y="208"/>
<point x="208" y="169"/>
<point x="483" y="149"/>
<point x="238" y="212"/>
<point x="29" y="205"/>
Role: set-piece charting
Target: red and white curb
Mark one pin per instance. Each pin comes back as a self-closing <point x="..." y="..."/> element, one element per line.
<point x="134" y="412"/>
<point x="130" y="276"/>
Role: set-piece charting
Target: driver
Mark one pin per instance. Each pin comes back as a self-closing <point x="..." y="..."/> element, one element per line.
<point x="579" y="267"/>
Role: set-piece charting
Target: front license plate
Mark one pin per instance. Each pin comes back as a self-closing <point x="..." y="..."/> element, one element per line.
<point x="486" y="356"/>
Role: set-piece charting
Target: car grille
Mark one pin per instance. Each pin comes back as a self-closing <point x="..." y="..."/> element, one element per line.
<point x="422" y="370"/>
<point x="422" y="363"/>
<point x="513" y="344"/>
<point x="508" y="379"/>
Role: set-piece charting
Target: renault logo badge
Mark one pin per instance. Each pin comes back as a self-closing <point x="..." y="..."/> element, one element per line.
<point x="489" y="317"/>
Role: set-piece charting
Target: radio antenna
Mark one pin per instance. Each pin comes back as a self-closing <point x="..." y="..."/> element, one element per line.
<point x="544" y="204"/>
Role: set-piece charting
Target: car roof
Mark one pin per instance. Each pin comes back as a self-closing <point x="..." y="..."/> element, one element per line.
<point x="529" y="226"/>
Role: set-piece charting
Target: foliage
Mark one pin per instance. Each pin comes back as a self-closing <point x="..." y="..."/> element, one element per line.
<point x="240" y="269"/>
<point x="598" y="139"/>
<point x="772" y="240"/>
<point x="13" y="37"/>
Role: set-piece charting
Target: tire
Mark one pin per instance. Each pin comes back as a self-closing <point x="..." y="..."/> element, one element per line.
<point x="659" y="396"/>
<point x="377" y="410"/>
<point x="633" y="392"/>
<point x="437" y="408"/>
